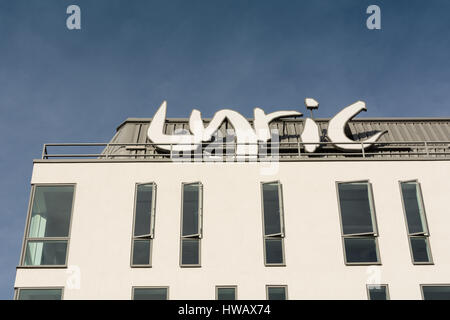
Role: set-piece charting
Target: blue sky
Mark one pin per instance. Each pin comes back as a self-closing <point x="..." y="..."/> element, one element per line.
<point x="58" y="85"/>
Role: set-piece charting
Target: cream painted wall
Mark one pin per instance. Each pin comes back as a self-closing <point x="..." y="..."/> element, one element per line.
<point x="232" y="246"/>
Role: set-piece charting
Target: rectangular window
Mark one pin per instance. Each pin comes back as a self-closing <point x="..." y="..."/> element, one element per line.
<point x="435" y="292"/>
<point x="226" y="292"/>
<point x="144" y="224"/>
<point x="273" y="223"/>
<point x="39" y="294"/>
<point x="191" y="224"/>
<point x="378" y="292"/>
<point x="416" y="223"/>
<point x="358" y="223"/>
<point x="48" y="226"/>
<point x="276" y="292"/>
<point x="150" y="293"/>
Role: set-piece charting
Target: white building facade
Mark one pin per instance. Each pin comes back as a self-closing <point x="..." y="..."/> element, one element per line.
<point x="136" y="222"/>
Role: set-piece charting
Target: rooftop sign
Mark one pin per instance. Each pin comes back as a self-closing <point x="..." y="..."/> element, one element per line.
<point x="248" y="136"/>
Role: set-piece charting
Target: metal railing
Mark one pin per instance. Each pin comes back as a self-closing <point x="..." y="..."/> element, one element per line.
<point x="266" y="151"/>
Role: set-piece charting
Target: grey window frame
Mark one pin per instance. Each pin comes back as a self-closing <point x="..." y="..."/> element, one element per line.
<point x="432" y="285"/>
<point x="275" y="236"/>
<point x="374" y="234"/>
<point x="388" y="297"/>
<point x="150" y="236"/>
<point x="28" y="222"/>
<point x="235" y="287"/>
<point x="426" y="233"/>
<point x="17" y="290"/>
<point x="150" y="287"/>
<point x="199" y="234"/>
<point x="277" y="286"/>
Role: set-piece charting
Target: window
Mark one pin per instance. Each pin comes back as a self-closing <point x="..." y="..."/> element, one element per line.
<point x="48" y="226"/>
<point x="191" y="224"/>
<point x="150" y="293"/>
<point x="273" y="224"/>
<point x="276" y="292"/>
<point x="144" y="224"/>
<point x="378" y="292"/>
<point x="358" y="224"/>
<point x="435" y="292"/>
<point x="416" y="223"/>
<point x="39" y="294"/>
<point x="226" y="292"/>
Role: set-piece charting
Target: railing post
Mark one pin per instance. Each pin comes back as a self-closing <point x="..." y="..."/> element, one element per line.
<point x="171" y="146"/>
<point x="44" y="152"/>
<point x="106" y="152"/>
<point x="426" y="148"/>
<point x="298" y="149"/>
<point x="362" y="149"/>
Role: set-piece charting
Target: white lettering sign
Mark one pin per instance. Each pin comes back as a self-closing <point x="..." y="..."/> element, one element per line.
<point x="247" y="137"/>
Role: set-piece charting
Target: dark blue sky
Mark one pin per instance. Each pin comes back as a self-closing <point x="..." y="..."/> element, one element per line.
<point x="58" y="85"/>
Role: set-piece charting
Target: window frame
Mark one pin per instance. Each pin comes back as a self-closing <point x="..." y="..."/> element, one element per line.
<point x="277" y="286"/>
<point x="388" y="297"/>
<point x="199" y="235"/>
<point x="432" y="285"/>
<point x="150" y="287"/>
<point x="149" y="236"/>
<point x="17" y="290"/>
<point x="28" y="223"/>
<point x="235" y="287"/>
<point x="276" y="236"/>
<point x="426" y="233"/>
<point x="375" y="234"/>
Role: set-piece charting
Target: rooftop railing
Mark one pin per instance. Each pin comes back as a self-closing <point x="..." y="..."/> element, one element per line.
<point x="226" y="151"/>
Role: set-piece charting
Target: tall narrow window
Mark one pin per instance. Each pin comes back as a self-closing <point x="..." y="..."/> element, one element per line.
<point x="378" y="292"/>
<point x="416" y="223"/>
<point x="144" y="224"/>
<point x="150" y="293"/>
<point x="273" y="224"/>
<point x="276" y="292"/>
<point x="358" y="224"/>
<point x="435" y="292"/>
<point x="226" y="292"/>
<point x="191" y="224"/>
<point x="39" y="294"/>
<point x="48" y="227"/>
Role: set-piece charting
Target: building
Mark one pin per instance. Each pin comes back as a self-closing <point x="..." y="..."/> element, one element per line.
<point x="136" y="220"/>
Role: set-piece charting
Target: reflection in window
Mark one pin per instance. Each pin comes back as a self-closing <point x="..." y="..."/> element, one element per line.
<point x="226" y="293"/>
<point x="378" y="292"/>
<point x="436" y="292"/>
<point x="144" y="224"/>
<point x="150" y="293"/>
<point x="191" y="224"/>
<point x="47" y="235"/>
<point x="416" y="222"/>
<point x="359" y="230"/>
<point x="39" y="294"/>
<point x="273" y="223"/>
<point x="276" y="293"/>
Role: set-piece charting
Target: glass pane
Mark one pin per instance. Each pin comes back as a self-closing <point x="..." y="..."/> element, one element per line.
<point x="39" y="294"/>
<point x="419" y="247"/>
<point x="355" y="208"/>
<point x="274" y="251"/>
<point x="226" y="293"/>
<point x="150" y="294"/>
<point x="51" y="210"/>
<point x="141" y="252"/>
<point x="46" y="253"/>
<point x="377" y="292"/>
<point x="413" y="208"/>
<point x="436" y="292"/>
<point x="190" y="209"/>
<point x="190" y="251"/>
<point x="361" y="250"/>
<point x="143" y="210"/>
<point x="276" y="293"/>
<point x="271" y="202"/>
